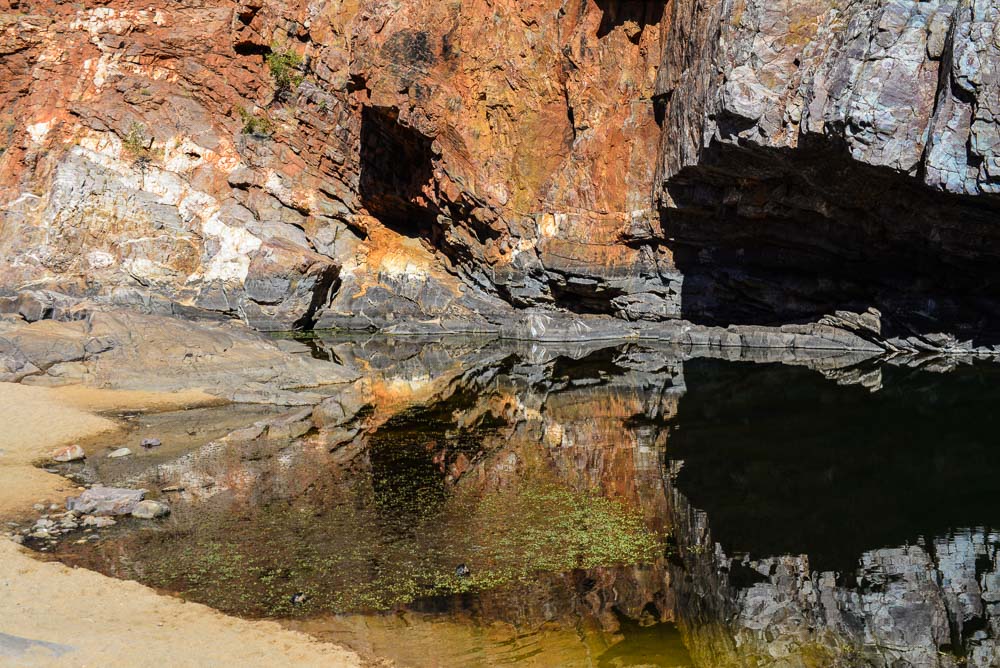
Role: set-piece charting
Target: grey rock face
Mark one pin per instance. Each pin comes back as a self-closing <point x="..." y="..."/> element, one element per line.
<point x="911" y="86"/>
<point x="821" y="156"/>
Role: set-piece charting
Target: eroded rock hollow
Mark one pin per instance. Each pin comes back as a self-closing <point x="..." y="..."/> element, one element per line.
<point x="520" y="166"/>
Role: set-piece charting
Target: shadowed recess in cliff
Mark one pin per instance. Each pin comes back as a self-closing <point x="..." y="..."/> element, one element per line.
<point x="635" y="15"/>
<point x="773" y="236"/>
<point x="785" y="462"/>
<point x="396" y="167"/>
<point x="582" y="296"/>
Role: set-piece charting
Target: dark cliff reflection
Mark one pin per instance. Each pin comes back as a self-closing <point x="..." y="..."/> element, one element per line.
<point x="784" y="462"/>
<point x="824" y="525"/>
<point x="771" y="506"/>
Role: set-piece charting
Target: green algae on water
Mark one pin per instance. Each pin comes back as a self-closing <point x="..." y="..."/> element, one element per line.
<point x="344" y="562"/>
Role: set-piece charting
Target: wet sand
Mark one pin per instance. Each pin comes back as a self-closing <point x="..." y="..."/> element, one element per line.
<point x="51" y="615"/>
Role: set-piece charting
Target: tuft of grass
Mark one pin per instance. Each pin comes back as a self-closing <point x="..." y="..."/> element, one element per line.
<point x="140" y="147"/>
<point x="257" y="126"/>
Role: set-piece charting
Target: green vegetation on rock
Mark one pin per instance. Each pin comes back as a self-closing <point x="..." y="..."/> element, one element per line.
<point x="284" y="67"/>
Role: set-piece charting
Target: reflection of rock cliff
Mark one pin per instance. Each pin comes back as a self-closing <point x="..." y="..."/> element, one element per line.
<point x="366" y="164"/>
<point x="929" y="604"/>
<point x="840" y="473"/>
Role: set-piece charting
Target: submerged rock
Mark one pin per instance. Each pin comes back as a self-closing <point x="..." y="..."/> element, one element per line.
<point x="97" y="522"/>
<point x="119" y="453"/>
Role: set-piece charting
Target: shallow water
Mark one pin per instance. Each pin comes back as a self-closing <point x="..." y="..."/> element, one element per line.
<point x="616" y="505"/>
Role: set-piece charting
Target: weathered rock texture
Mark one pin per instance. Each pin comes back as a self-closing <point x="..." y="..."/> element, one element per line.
<point x="821" y="155"/>
<point x="362" y="163"/>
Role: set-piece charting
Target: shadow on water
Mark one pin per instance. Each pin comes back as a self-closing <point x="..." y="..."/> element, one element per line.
<point x="616" y="505"/>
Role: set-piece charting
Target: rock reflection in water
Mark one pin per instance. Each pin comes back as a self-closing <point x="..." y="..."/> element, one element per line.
<point x="822" y="525"/>
<point x="523" y="463"/>
<point x="789" y="483"/>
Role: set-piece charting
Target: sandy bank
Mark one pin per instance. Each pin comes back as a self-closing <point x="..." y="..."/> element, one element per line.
<point x="34" y="421"/>
<point x="51" y="615"/>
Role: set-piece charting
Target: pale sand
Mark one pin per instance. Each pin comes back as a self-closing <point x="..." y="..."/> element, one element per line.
<point x="107" y="622"/>
<point x="34" y="421"/>
<point x="89" y="619"/>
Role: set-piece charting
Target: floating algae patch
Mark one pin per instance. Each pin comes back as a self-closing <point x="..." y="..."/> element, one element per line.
<point x="343" y="560"/>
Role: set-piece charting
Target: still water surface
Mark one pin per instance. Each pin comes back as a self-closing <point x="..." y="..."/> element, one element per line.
<point x="615" y="505"/>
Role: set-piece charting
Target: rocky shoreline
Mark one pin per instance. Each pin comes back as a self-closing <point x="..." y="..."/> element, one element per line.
<point x="86" y="341"/>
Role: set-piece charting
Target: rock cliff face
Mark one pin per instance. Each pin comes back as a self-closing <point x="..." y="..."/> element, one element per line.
<point x="361" y="163"/>
<point x="833" y="154"/>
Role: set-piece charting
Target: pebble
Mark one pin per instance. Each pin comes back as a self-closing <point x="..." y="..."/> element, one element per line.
<point x="151" y="443"/>
<point x="120" y="452"/>
<point x="71" y="453"/>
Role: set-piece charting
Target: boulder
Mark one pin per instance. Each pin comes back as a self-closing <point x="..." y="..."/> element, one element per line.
<point x="71" y="453"/>
<point x="286" y="284"/>
<point x="106" y="501"/>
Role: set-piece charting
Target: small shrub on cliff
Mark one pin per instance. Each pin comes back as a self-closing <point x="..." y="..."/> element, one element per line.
<point x="257" y="126"/>
<point x="284" y="66"/>
<point x="140" y="147"/>
<point x="135" y="141"/>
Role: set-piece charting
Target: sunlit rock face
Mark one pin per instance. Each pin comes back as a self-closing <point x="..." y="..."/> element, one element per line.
<point x="450" y="162"/>
<point x="454" y="164"/>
